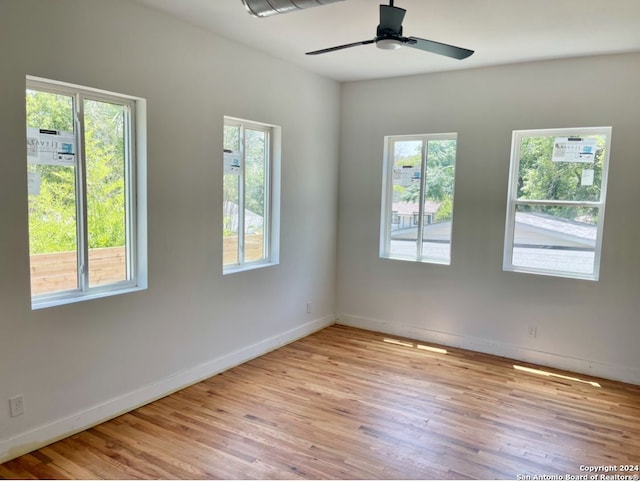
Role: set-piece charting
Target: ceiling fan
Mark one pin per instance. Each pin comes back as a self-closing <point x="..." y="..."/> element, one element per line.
<point x="389" y="37"/>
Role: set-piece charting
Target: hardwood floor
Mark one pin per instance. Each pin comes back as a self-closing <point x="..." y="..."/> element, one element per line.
<point x="351" y="404"/>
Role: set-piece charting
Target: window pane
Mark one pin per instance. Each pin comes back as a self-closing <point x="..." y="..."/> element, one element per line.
<point x="105" y="158"/>
<point x="558" y="238"/>
<point x="51" y="170"/>
<point x="230" y="218"/>
<point x="438" y="206"/>
<point x="231" y="195"/>
<point x="255" y="194"/>
<point x="231" y="138"/>
<point x="556" y="168"/>
<point x="405" y="205"/>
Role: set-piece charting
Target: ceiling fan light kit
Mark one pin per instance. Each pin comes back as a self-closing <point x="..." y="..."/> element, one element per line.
<point x="266" y="8"/>
<point x="388" y="44"/>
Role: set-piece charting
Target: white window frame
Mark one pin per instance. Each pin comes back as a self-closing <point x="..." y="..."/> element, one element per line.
<point x="135" y="186"/>
<point x="386" y="217"/>
<point x="513" y="202"/>
<point x="271" y="221"/>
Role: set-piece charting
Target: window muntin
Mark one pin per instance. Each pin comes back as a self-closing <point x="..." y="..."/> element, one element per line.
<point x="247" y="198"/>
<point x="556" y="201"/>
<point x="418" y="188"/>
<point x="81" y="192"/>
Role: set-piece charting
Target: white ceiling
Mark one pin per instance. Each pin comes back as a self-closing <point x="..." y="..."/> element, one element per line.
<point x="500" y="31"/>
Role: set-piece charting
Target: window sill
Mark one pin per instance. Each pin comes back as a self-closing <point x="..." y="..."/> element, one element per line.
<point x="554" y="274"/>
<point x="76" y="298"/>
<point x="417" y="260"/>
<point x="247" y="267"/>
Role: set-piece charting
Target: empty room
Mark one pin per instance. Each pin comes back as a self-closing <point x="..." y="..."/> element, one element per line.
<point x="339" y="239"/>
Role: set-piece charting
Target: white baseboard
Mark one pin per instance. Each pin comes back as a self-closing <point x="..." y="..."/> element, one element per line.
<point x="552" y="360"/>
<point x="38" y="437"/>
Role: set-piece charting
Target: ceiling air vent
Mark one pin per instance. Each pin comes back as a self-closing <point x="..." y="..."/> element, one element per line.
<point x="265" y="8"/>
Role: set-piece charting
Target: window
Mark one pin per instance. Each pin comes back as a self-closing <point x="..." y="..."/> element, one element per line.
<point x="555" y="210"/>
<point x="82" y="192"/>
<point x="250" y="205"/>
<point x="417" y="197"/>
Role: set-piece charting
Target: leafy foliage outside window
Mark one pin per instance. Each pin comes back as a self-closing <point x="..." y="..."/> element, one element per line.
<point x="441" y="157"/>
<point x="52" y="213"/>
<point x="541" y="178"/>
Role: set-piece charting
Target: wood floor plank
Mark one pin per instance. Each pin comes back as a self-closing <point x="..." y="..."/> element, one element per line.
<point x="352" y="404"/>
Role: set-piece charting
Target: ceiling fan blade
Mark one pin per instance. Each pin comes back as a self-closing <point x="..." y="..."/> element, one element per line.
<point x="391" y="19"/>
<point x="438" y="48"/>
<point x="340" y="47"/>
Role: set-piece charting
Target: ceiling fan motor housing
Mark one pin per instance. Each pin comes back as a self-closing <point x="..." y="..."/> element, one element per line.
<point x="266" y="8"/>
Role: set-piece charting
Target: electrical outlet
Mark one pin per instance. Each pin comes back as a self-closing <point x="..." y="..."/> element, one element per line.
<point x="533" y="331"/>
<point x="309" y="306"/>
<point x="16" y="405"/>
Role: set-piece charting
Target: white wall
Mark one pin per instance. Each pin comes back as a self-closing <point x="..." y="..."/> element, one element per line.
<point x="591" y="327"/>
<point x="79" y="363"/>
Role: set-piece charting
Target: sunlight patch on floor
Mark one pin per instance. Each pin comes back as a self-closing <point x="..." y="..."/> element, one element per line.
<point x="545" y="373"/>
<point x="419" y="346"/>
<point x="442" y="351"/>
